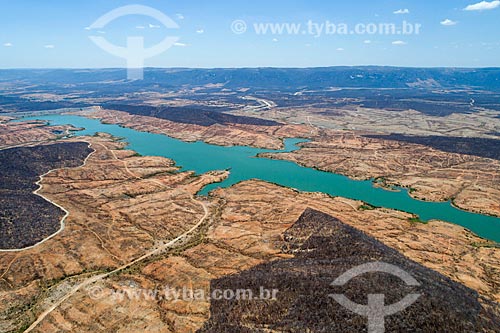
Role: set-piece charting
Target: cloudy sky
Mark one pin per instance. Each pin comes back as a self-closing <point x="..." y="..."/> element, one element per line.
<point x="280" y="33"/>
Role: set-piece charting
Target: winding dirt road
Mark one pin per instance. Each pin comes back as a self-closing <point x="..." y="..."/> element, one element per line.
<point x="96" y="278"/>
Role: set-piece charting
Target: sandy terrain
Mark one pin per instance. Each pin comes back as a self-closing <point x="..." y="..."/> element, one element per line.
<point x="269" y="137"/>
<point x="246" y="229"/>
<point x="25" y="133"/>
<point x="481" y="123"/>
<point x="121" y="206"/>
<point x="472" y="182"/>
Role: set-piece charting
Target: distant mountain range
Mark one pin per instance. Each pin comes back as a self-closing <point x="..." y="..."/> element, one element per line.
<point x="433" y="91"/>
<point x="275" y="78"/>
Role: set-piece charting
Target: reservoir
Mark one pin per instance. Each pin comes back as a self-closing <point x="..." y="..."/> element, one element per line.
<point x="244" y="165"/>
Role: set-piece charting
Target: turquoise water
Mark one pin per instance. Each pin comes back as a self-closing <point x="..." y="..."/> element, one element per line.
<point x="201" y="157"/>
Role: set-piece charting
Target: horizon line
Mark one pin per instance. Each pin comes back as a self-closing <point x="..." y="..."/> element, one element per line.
<point x="252" y="67"/>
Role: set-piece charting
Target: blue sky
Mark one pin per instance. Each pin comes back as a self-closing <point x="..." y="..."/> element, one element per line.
<point x="52" y="34"/>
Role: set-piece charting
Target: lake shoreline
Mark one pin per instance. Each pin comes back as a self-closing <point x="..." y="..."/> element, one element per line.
<point x="201" y="157"/>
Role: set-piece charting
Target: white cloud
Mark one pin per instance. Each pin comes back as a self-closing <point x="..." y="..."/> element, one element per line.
<point x="367" y="41"/>
<point x="140" y="27"/>
<point x="99" y="31"/>
<point x="483" y="5"/>
<point x="180" y="16"/>
<point x="275" y="40"/>
<point x="200" y="31"/>
<point x="340" y="49"/>
<point x="402" y="11"/>
<point x="7" y="44"/>
<point x="180" y="44"/>
<point x="399" y="42"/>
<point x="154" y="26"/>
<point x="49" y="46"/>
<point x="448" y="22"/>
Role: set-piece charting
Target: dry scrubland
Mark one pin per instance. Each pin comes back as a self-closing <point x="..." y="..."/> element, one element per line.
<point x="123" y="206"/>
